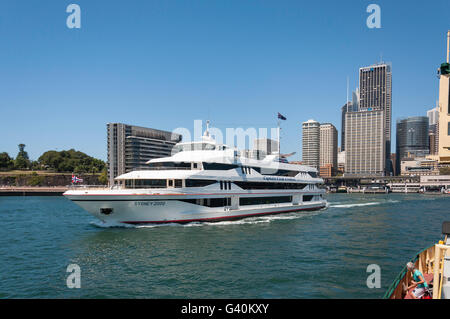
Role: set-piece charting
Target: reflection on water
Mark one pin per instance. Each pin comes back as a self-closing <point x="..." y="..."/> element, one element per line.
<point x="321" y="254"/>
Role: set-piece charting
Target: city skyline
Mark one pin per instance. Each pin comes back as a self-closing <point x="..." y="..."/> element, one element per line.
<point x="154" y="65"/>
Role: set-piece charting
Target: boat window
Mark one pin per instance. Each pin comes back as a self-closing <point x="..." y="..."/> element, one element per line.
<point x="264" y="200"/>
<point x="269" y="185"/>
<point x="210" y="202"/>
<point x="308" y="198"/>
<point x="199" y="182"/>
<point x="145" y="183"/>
<point x="312" y="174"/>
<point x="178" y="183"/>
<point x="218" y="166"/>
<point x="170" y="183"/>
<point x="221" y="185"/>
<point x="169" y="165"/>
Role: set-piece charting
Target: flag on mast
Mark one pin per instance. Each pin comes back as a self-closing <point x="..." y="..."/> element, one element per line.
<point x="281" y="117"/>
<point x="76" y="179"/>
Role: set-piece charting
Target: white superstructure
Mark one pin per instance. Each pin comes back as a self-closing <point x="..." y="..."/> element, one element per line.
<point x="204" y="181"/>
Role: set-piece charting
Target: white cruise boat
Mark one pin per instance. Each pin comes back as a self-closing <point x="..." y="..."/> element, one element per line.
<point x="204" y="182"/>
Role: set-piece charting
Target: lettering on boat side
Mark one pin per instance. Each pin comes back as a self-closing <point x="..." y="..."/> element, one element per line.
<point x="150" y="203"/>
<point x="229" y="308"/>
<point x="374" y="279"/>
<point x="74" y="279"/>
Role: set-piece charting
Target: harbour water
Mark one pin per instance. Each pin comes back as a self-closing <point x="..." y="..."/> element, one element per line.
<point x="321" y="254"/>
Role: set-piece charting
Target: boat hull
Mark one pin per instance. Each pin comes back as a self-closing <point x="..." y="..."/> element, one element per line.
<point x="142" y="210"/>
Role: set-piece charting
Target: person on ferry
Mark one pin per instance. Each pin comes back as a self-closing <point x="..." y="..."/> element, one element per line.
<point x="419" y="284"/>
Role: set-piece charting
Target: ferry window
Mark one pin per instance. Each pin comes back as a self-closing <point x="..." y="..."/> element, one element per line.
<point x="211" y="202"/>
<point x="178" y="183"/>
<point x="308" y="198"/>
<point x="269" y="185"/>
<point x="199" y="182"/>
<point x="170" y="183"/>
<point x="218" y="166"/>
<point x="170" y="165"/>
<point x="146" y="183"/>
<point x="221" y="185"/>
<point x="264" y="200"/>
<point x="313" y="174"/>
<point x="229" y="185"/>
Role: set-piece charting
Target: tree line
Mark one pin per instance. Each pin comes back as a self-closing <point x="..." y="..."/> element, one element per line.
<point x="62" y="162"/>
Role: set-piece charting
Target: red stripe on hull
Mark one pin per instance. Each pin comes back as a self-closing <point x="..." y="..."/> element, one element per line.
<point x="224" y="218"/>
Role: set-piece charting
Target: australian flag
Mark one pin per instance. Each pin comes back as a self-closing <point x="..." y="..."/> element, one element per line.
<point x="281" y="117"/>
<point x="76" y="179"/>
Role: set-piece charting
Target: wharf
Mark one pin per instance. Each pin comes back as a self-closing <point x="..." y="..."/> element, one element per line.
<point x="32" y="191"/>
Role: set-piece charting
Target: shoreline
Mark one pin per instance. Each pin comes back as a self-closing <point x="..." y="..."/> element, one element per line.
<point x="32" y="190"/>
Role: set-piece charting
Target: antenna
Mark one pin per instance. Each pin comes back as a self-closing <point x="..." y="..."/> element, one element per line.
<point x="448" y="46"/>
<point x="347" y="92"/>
<point x="207" y="128"/>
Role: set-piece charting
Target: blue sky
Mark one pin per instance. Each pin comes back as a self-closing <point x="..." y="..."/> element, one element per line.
<point x="164" y="64"/>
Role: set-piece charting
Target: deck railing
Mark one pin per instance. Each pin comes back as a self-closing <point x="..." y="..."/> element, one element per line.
<point x="428" y="261"/>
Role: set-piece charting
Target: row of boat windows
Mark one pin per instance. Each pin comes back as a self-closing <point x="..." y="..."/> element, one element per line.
<point x="224" y="167"/>
<point x="224" y="185"/>
<point x="226" y="201"/>
<point x="166" y="183"/>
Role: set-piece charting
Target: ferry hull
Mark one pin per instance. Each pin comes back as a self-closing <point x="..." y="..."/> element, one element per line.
<point x="142" y="211"/>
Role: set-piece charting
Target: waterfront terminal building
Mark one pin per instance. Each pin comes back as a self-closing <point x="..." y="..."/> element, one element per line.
<point x="130" y="147"/>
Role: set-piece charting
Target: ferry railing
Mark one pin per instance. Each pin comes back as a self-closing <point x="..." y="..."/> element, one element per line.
<point x="395" y="290"/>
<point x="93" y="187"/>
<point x="427" y="261"/>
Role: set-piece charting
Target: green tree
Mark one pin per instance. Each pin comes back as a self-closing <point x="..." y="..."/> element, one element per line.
<point x="6" y="162"/>
<point x="22" y="160"/>
<point x="71" y="161"/>
<point x="103" y="178"/>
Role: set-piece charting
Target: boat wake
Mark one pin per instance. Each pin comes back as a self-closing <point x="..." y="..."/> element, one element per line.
<point x="244" y="221"/>
<point x="362" y="204"/>
<point x="101" y="224"/>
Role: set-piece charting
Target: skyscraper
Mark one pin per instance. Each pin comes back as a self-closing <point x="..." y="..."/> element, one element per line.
<point x="328" y="150"/>
<point x="130" y="147"/>
<point x="433" y="132"/>
<point x="412" y="138"/>
<point x="375" y="93"/>
<point x="352" y="106"/>
<point x="365" y="143"/>
<point x="311" y="143"/>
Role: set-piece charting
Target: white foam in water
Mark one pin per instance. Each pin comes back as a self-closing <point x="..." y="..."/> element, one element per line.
<point x="362" y="204"/>
<point x="101" y="224"/>
<point x="244" y="221"/>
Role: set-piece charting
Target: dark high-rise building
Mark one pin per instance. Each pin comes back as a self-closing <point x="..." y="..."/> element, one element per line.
<point x="352" y="106"/>
<point x="130" y="147"/>
<point x="412" y="138"/>
<point x="375" y="93"/>
<point x="433" y="133"/>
